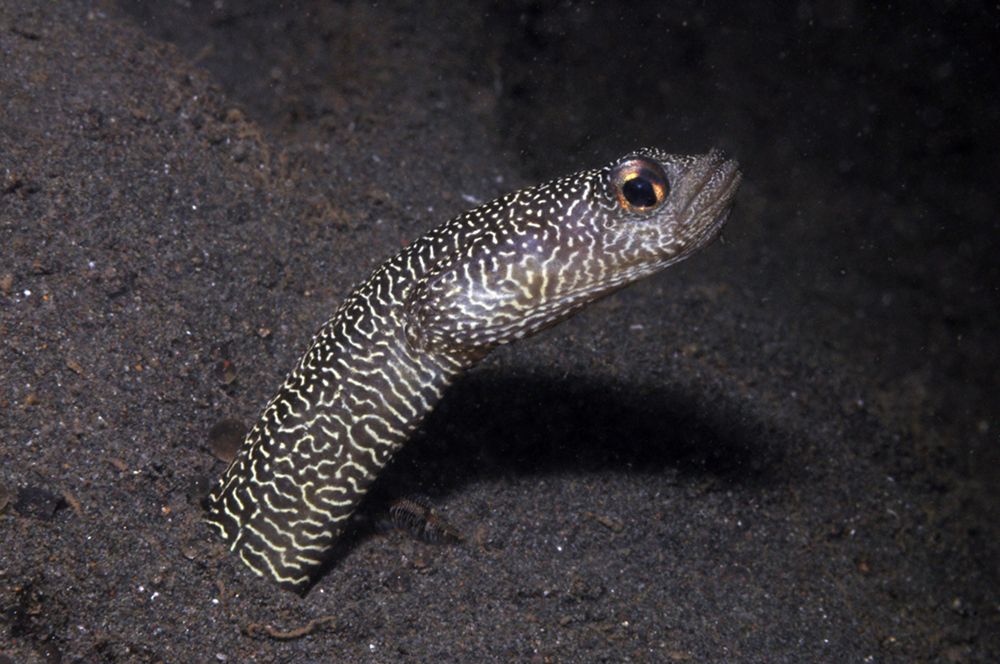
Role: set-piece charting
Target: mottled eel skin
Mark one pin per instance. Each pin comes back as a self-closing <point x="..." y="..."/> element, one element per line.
<point x="500" y="272"/>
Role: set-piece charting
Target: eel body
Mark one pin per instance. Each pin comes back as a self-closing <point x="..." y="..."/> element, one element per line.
<point x="497" y="273"/>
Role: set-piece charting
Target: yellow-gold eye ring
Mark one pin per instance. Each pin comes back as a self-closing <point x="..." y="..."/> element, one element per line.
<point x="639" y="185"/>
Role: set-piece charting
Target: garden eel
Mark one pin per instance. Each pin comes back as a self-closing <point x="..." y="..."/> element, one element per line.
<point x="499" y="272"/>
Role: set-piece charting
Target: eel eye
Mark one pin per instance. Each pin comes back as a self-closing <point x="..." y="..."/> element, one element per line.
<point x="640" y="185"/>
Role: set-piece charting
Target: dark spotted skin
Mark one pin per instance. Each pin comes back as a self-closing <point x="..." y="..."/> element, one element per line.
<point x="500" y="272"/>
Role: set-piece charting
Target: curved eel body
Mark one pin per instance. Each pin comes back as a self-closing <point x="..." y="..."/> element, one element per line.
<point x="497" y="273"/>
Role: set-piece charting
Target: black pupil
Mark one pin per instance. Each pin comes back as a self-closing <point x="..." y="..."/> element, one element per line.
<point x="639" y="192"/>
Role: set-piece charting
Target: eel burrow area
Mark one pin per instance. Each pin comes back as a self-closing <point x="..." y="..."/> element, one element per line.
<point x="497" y="273"/>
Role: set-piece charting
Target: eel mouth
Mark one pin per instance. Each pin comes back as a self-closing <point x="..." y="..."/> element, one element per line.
<point x="728" y="172"/>
<point x="716" y="177"/>
<point x="707" y="199"/>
